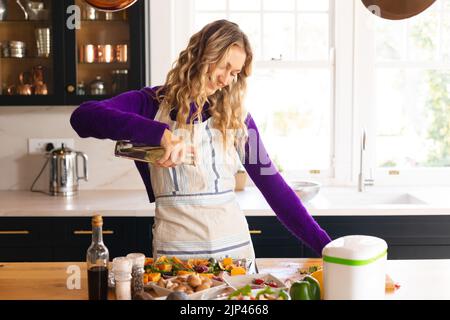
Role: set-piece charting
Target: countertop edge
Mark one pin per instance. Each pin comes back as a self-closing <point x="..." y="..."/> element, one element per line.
<point x="134" y="203"/>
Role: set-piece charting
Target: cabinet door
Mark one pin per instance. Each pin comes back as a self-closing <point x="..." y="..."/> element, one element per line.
<point x="418" y="252"/>
<point x="25" y="239"/>
<point x="106" y="55"/>
<point x="272" y="240"/>
<point x="73" y="237"/>
<point x="408" y="237"/>
<point x="24" y="232"/>
<point x="31" y="53"/>
<point x="144" y="235"/>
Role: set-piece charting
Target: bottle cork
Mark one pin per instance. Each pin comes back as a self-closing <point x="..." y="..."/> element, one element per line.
<point x="97" y="221"/>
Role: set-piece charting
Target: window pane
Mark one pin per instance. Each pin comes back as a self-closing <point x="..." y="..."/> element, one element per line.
<point x="279" y="36"/>
<point x="413" y="118"/>
<point x="446" y="39"/>
<point x="389" y="37"/>
<point x="312" y="36"/>
<point x="239" y="5"/>
<point x="208" y="5"/>
<point x="446" y="4"/>
<point x="293" y="116"/>
<point x="202" y="19"/>
<point x="307" y="5"/>
<point x="250" y="23"/>
<point x="277" y="5"/>
<point x="423" y="36"/>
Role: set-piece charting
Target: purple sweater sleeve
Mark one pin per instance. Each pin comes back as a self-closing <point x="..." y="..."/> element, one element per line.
<point x="281" y="198"/>
<point x="127" y="116"/>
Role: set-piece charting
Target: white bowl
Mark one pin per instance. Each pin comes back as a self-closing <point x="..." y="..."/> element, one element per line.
<point x="248" y="279"/>
<point x="305" y="190"/>
<point x="217" y="285"/>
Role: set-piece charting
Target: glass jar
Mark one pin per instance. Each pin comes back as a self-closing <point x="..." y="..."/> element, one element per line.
<point x="98" y="86"/>
<point x="119" y="81"/>
<point x="137" y="273"/>
<point x="121" y="269"/>
<point x="81" y="89"/>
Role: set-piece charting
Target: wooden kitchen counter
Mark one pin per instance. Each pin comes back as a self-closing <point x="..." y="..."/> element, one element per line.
<point x="419" y="279"/>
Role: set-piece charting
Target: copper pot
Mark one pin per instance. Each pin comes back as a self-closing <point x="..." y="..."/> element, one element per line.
<point x="38" y="73"/>
<point x="39" y="80"/>
<point x="110" y="5"/>
<point x="104" y="53"/>
<point x="40" y="88"/>
<point x="88" y="53"/>
<point x="25" y="87"/>
<point x="11" y="90"/>
<point x="121" y="53"/>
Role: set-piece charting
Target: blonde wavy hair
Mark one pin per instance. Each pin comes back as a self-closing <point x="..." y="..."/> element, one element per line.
<point x="191" y="71"/>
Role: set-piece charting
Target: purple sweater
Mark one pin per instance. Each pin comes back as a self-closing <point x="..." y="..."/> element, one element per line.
<point x="129" y="116"/>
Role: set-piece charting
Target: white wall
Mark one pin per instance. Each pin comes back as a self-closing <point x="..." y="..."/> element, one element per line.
<point x="165" y="44"/>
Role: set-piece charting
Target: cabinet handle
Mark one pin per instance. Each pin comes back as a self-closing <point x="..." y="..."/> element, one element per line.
<point x="255" y="231"/>
<point x="83" y="232"/>
<point x="70" y="88"/>
<point x="14" y="232"/>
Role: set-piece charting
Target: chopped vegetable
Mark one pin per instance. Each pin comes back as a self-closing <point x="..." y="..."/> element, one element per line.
<point x="152" y="277"/>
<point x="309" y="270"/>
<point x="172" y="266"/>
<point x="261" y="282"/>
<point x="237" y="271"/>
<point x="244" y="291"/>
<point x="227" y="261"/>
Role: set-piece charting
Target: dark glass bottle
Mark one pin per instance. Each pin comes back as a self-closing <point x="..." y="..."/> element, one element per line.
<point x="97" y="259"/>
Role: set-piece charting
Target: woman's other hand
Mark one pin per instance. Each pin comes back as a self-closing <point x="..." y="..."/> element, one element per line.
<point x="175" y="150"/>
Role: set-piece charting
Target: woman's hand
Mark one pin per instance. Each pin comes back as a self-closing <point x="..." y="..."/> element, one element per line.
<point x="175" y="150"/>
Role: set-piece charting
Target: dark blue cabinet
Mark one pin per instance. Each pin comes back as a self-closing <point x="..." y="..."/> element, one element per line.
<point x="271" y="239"/>
<point x="115" y="46"/>
<point x="67" y="238"/>
<point x="62" y="239"/>
<point x="408" y="237"/>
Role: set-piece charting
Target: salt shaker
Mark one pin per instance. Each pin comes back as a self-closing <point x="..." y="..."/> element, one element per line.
<point x="122" y="267"/>
<point x="137" y="282"/>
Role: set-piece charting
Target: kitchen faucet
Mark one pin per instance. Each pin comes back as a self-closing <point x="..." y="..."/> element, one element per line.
<point x="362" y="182"/>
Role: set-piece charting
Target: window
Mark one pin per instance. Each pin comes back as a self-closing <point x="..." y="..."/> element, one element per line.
<point x="324" y="70"/>
<point x="410" y="96"/>
<point x="290" y="94"/>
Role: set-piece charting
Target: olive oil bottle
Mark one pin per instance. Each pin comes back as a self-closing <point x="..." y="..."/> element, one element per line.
<point x="141" y="152"/>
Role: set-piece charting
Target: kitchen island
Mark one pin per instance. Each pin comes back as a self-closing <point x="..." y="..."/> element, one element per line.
<point x="418" y="279"/>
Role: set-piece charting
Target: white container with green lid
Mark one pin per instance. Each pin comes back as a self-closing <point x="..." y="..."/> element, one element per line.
<point x="354" y="268"/>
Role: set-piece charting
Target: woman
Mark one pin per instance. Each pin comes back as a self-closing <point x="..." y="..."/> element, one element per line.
<point x="200" y="104"/>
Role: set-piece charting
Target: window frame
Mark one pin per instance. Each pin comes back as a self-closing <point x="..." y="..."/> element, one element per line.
<point x="323" y="175"/>
<point x="365" y="71"/>
<point x="351" y="105"/>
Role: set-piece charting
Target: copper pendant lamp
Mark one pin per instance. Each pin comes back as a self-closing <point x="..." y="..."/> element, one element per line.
<point x="397" y="9"/>
<point x="110" y="5"/>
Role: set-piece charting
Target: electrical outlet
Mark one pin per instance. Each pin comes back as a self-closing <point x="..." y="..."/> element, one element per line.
<point x="38" y="145"/>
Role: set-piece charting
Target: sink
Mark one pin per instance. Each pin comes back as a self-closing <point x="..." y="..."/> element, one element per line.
<point x="367" y="199"/>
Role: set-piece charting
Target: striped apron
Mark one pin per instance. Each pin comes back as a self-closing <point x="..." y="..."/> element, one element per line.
<point x="196" y="211"/>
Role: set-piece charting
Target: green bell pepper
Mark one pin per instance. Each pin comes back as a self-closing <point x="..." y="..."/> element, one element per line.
<point x="306" y="289"/>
